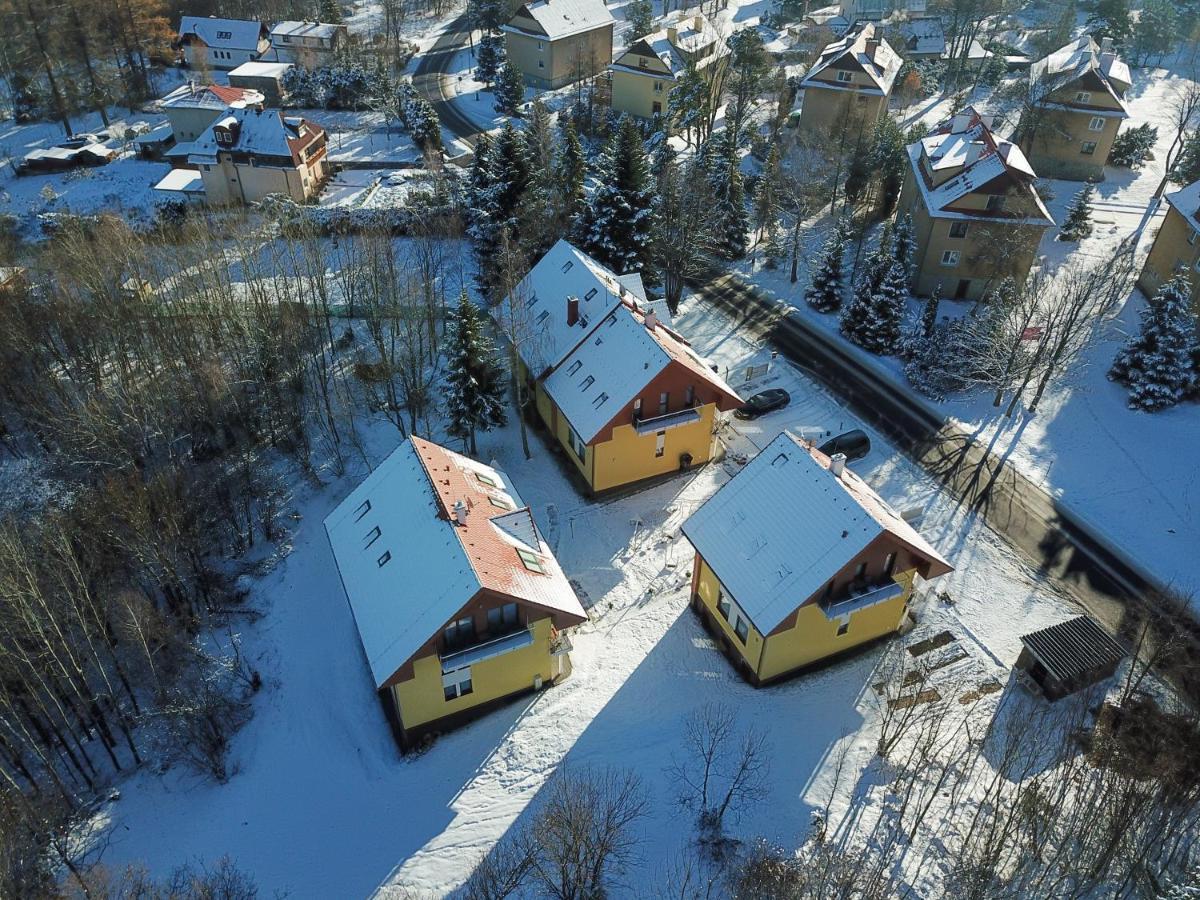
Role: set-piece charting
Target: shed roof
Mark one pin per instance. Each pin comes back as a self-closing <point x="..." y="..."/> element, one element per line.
<point x="407" y="566"/>
<point x="785" y="525"/>
<point x="1074" y="647"/>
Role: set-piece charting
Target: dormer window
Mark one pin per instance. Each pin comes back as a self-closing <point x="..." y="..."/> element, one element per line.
<point x="224" y="35"/>
<point x="587" y="382"/>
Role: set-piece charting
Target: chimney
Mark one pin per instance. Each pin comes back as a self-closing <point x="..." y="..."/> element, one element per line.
<point x="837" y="464"/>
<point x="651" y="319"/>
<point x="572" y="311"/>
<point x="460" y="511"/>
<point x="872" y="47"/>
<point x="672" y="33"/>
<point x="1106" y="45"/>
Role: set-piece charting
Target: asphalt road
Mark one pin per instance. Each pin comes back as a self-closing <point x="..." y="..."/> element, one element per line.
<point x="1060" y="545"/>
<point x="430" y="79"/>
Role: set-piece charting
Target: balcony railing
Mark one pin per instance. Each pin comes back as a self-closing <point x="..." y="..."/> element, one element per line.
<point x="862" y="598"/>
<point x="685" y="416"/>
<point x="468" y="656"/>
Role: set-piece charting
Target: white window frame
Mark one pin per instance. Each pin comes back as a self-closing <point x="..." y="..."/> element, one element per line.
<point x="738" y="621"/>
<point x="1097" y="123"/>
<point x="457" y="684"/>
<point x="950" y="259"/>
<point x="845" y="77"/>
<point x="660" y="444"/>
<point x="954" y="226"/>
<point x="1083" y="148"/>
<point x="1192" y="235"/>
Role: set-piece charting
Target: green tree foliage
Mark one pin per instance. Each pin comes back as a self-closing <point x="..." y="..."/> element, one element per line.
<point x="618" y="227"/>
<point x="475" y="382"/>
<point x="1133" y="145"/>
<point x="490" y="58"/>
<point x="824" y="294"/>
<point x="1156" y="32"/>
<point x="729" y="188"/>
<point x="690" y="104"/>
<point x="329" y="11"/>
<point x="1079" y="216"/>
<point x="1158" y="365"/>
<point x="749" y="65"/>
<point x="509" y="90"/>
<point x="1111" y="19"/>
<point x="640" y="15"/>
<point x="1187" y="168"/>
<point x="570" y="166"/>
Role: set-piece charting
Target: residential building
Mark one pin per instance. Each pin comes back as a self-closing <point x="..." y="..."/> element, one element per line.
<point x="212" y="43"/>
<point x="264" y="77"/>
<point x="1176" y="246"/>
<point x="1076" y="104"/>
<point x="624" y="395"/>
<point x="191" y="108"/>
<point x="307" y="44"/>
<point x="924" y="37"/>
<point x="556" y="42"/>
<point x="847" y="88"/>
<point x="798" y="561"/>
<point x="644" y="74"/>
<point x="976" y="216"/>
<point x="878" y="10"/>
<point x="459" y="603"/>
<point x="250" y="153"/>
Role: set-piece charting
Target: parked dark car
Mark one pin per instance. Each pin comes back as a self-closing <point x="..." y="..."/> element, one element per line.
<point x="762" y="403"/>
<point x="854" y="444"/>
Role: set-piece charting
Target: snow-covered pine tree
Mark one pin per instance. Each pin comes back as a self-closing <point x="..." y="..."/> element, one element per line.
<point x="775" y="251"/>
<point x="766" y="196"/>
<point x="874" y="317"/>
<point x="495" y="212"/>
<point x="1079" y="217"/>
<point x="825" y="292"/>
<point x="1158" y="365"/>
<point x="489" y="59"/>
<point x="570" y="174"/>
<point x="733" y="219"/>
<point x="509" y="90"/>
<point x="329" y="11"/>
<point x="1187" y="167"/>
<point x="929" y="312"/>
<point x="475" y="382"/>
<point x="640" y="15"/>
<point x="539" y="139"/>
<point x="904" y="243"/>
<point x="479" y="179"/>
<point x="618" y="227"/>
<point x="426" y="127"/>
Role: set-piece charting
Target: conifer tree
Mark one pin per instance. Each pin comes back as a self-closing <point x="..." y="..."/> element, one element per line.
<point x="766" y="197"/>
<point x="425" y="126"/>
<point x="479" y="179"/>
<point x="733" y="219"/>
<point x="539" y="139"/>
<point x="874" y="317"/>
<point x="495" y="215"/>
<point x="1079" y="216"/>
<point x="825" y="292"/>
<point x="1158" y="365"/>
<point x="329" y="11"/>
<point x="571" y="173"/>
<point x="510" y="89"/>
<point x="903" y="243"/>
<point x="929" y="312"/>
<point x="640" y="15"/>
<point x="475" y="383"/>
<point x="490" y="58"/>
<point x="1187" y="168"/>
<point x="1111" y="19"/>
<point x="618" y="227"/>
<point x="776" y="250"/>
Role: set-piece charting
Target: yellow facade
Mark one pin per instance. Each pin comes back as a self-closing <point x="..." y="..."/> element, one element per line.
<point x="628" y="457"/>
<point x="421" y="699"/>
<point x="549" y="64"/>
<point x="1176" y="247"/>
<point x="812" y="638"/>
<point x="641" y="94"/>
<point x="229" y="183"/>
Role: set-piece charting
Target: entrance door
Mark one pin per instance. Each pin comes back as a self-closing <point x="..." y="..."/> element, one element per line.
<point x="964" y="285"/>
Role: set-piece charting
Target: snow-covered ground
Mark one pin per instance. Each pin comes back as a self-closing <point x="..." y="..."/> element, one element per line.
<point x="1128" y="474"/>
<point x="323" y="806"/>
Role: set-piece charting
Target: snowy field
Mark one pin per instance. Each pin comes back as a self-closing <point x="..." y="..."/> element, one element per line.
<point x="323" y="806"/>
<point x="1121" y="470"/>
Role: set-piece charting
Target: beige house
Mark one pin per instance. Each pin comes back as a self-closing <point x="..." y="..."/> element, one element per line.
<point x="192" y="107"/>
<point x="1077" y="103"/>
<point x="645" y="72"/>
<point x="307" y="44"/>
<point x="555" y="42"/>
<point x="1176" y="246"/>
<point x="848" y="87"/>
<point x="250" y="153"/>
<point x="212" y="43"/>
<point x="976" y="216"/>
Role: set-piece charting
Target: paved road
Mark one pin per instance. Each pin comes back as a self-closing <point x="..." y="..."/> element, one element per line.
<point x="1059" y="544"/>
<point x="430" y="77"/>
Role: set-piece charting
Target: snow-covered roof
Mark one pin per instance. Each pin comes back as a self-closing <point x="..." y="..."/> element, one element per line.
<point x="679" y="36"/>
<point x="966" y="144"/>
<point x="181" y="181"/>
<point x="408" y="566"/>
<point x="924" y="35"/>
<point x="785" y="525"/>
<point x="260" y="70"/>
<point x="541" y="304"/>
<point x="1186" y="202"/>
<point x="209" y="96"/>
<point x="222" y="34"/>
<point x="880" y="64"/>
<point x="259" y="132"/>
<point x="1070" y="63"/>
<point x="324" y="30"/>
<point x="563" y="18"/>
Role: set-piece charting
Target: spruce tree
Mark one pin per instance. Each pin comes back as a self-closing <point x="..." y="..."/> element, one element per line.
<point x="479" y="179"/>
<point x="766" y="196"/>
<point x="825" y="292"/>
<point x="874" y="317"/>
<point x="640" y="15"/>
<point x="929" y="312"/>
<point x="733" y="219"/>
<point x="1187" y="168"/>
<point x="775" y="251"/>
<point x="1079" y="216"/>
<point x="1111" y="19"/>
<point x="1158" y="365"/>
<point x="425" y="125"/>
<point x="570" y="173"/>
<point x="618" y="227"/>
<point x="539" y="139"/>
<point x="475" y="383"/>
<point x="490" y="58"/>
<point x="496" y="212"/>
<point x="329" y="11"/>
<point x="904" y="243"/>
<point x="510" y="90"/>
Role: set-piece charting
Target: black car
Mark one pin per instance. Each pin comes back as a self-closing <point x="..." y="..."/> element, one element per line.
<point x="762" y="403"/>
<point x="854" y="444"/>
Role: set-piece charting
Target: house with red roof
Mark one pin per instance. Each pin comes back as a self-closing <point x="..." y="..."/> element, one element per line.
<point x="459" y="602"/>
<point x="192" y="107"/>
<point x="622" y="393"/>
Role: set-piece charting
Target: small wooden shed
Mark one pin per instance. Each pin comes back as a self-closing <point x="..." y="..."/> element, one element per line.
<point x="1067" y="657"/>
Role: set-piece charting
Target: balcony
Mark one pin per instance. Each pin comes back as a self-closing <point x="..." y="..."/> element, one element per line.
<point x="861" y="598"/>
<point x="488" y="649"/>
<point x="684" y="416"/>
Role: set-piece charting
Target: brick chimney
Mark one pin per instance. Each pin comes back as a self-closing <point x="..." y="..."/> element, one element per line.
<point x="872" y="48"/>
<point x="572" y="310"/>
